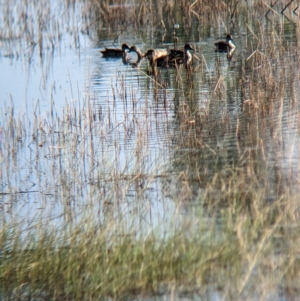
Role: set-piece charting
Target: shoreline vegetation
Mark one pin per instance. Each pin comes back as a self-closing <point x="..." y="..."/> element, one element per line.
<point x="222" y="222"/>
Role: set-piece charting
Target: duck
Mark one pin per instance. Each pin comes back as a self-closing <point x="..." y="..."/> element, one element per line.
<point x="172" y="58"/>
<point x="174" y="53"/>
<point x="115" y="52"/>
<point x="140" y="56"/>
<point x="226" y="46"/>
<point x="178" y="56"/>
<point x="157" y="57"/>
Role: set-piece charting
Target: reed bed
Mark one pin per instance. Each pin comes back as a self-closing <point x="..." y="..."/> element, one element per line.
<point x="94" y="263"/>
<point x="88" y="212"/>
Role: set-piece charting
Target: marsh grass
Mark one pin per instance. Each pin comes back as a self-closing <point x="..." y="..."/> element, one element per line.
<point x="87" y="213"/>
<point x="102" y="247"/>
<point x="91" y="263"/>
<point x="85" y="262"/>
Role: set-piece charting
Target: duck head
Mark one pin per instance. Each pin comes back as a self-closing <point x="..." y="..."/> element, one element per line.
<point x="125" y="47"/>
<point x="150" y="54"/>
<point x="133" y="49"/>
<point x="188" y="47"/>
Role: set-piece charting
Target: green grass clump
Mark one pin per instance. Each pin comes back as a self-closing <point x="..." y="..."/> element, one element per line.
<point x="89" y="265"/>
<point x="88" y="262"/>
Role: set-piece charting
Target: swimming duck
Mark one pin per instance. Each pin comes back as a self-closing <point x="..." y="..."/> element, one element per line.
<point x="178" y="57"/>
<point x="226" y="46"/>
<point x="173" y="58"/>
<point x="140" y="56"/>
<point x="156" y="57"/>
<point x="115" y="52"/>
<point x="175" y="53"/>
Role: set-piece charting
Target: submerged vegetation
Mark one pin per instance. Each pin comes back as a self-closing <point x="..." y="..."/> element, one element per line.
<point x="95" y="207"/>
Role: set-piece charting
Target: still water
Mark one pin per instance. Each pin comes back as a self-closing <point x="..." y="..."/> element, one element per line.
<point x="89" y="130"/>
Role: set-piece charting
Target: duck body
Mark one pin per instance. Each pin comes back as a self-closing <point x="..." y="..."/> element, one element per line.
<point x="115" y="52"/>
<point x="156" y="57"/>
<point x="226" y="46"/>
<point x="178" y="57"/>
<point x="176" y="53"/>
